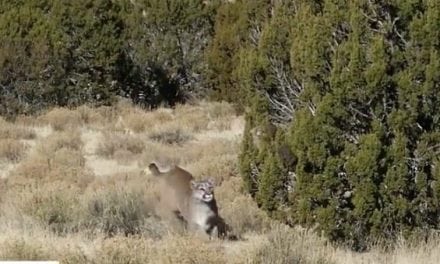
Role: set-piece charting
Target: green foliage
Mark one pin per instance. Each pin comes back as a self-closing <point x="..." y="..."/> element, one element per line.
<point x="357" y="99"/>
<point x="56" y="53"/>
<point x="165" y="59"/>
<point x="247" y="166"/>
<point x="270" y="183"/>
<point x="70" y="53"/>
<point x="234" y="23"/>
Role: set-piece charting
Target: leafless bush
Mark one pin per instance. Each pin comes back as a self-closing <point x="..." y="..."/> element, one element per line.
<point x="12" y="150"/>
<point x="113" y="142"/>
<point x="177" y="137"/>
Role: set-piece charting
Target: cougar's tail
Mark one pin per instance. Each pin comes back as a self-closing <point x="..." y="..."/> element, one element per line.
<point x="154" y="169"/>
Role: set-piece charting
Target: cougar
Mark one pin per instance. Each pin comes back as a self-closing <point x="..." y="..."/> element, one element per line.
<point x="190" y="201"/>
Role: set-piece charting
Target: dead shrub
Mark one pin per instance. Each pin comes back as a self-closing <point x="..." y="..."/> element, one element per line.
<point x="70" y="140"/>
<point x="56" y="208"/>
<point x="88" y="115"/>
<point x="3" y="122"/>
<point x="19" y="249"/>
<point x="243" y="215"/>
<point x="138" y="120"/>
<point x="12" y="150"/>
<point x="3" y="188"/>
<point x="238" y="209"/>
<point x="213" y="148"/>
<point x="217" y="110"/>
<point x="204" y="116"/>
<point x="187" y="249"/>
<point x="161" y="153"/>
<point x="219" y="168"/>
<point x="106" y="115"/>
<point x="173" y="137"/>
<point x="62" y="150"/>
<point x="76" y="256"/>
<point x="15" y="131"/>
<point x="10" y="131"/>
<point x="288" y="246"/>
<point x="220" y="124"/>
<point x="193" y="118"/>
<point x="210" y="158"/>
<point x="26" y="121"/>
<point x="67" y="158"/>
<point x="62" y="119"/>
<point x="230" y="189"/>
<point x="120" y="249"/>
<point x="171" y="249"/>
<point x="133" y="121"/>
<point x="116" y="212"/>
<point x="112" y="143"/>
<point x="64" y="169"/>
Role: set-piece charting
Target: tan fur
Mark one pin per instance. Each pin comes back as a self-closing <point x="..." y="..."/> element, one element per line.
<point x="174" y="188"/>
<point x="176" y="199"/>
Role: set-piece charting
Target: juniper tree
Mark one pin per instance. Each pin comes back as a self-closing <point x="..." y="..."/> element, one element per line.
<point x="365" y="126"/>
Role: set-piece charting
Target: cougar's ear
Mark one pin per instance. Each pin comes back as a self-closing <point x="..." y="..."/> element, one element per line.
<point x="211" y="182"/>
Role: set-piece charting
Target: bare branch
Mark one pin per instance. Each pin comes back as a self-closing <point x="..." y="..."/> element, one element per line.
<point x="255" y="33"/>
<point x="387" y="25"/>
<point x="356" y="111"/>
<point x="312" y="108"/>
<point x="282" y="112"/>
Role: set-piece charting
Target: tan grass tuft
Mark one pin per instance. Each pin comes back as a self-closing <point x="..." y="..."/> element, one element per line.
<point x="15" y="131"/>
<point x="60" y="140"/>
<point x="88" y="115"/>
<point x="244" y="216"/>
<point x="120" y="146"/>
<point x="186" y="250"/>
<point x="12" y="150"/>
<point x="138" y="120"/>
<point x="20" y="249"/>
<point x="285" y="245"/>
<point x="116" y="211"/>
<point x="62" y="171"/>
<point x="219" y="168"/>
<point x="171" y="137"/>
<point x="62" y="119"/>
<point x="121" y="249"/>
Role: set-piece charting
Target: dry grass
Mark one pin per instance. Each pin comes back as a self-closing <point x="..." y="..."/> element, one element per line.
<point x="120" y="145"/>
<point x="114" y="212"/>
<point x="12" y="150"/>
<point x="70" y="140"/>
<point x="172" y="137"/>
<point x="139" y="121"/>
<point x="21" y="249"/>
<point x="70" y="196"/>
<point x="54" y="208"/>
<point x="61" y="119"/>
<point x="57" y="159"/>
<point x="13" y="131"/>
<point x="284" y="245"/>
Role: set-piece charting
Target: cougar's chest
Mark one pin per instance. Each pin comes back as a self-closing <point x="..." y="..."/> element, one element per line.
<point x="200" y="214"/>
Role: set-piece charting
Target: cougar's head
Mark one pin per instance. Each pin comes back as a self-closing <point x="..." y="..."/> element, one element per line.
<point x="203" y="190"/>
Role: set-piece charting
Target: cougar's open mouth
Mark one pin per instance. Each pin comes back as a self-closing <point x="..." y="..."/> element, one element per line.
<point x="207" y="197"/>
